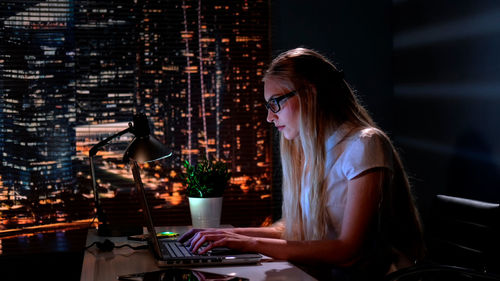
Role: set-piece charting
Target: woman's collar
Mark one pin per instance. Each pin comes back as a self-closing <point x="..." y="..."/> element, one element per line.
<point x="339" y="134"/>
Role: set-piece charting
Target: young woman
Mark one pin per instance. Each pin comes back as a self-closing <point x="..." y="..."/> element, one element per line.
<point x="347" y="206"/>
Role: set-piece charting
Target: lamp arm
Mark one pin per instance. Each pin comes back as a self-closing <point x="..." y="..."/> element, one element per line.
<point x="101" y="216"/>
<point x="95" y="148"/>
<point x="99" y="212"/>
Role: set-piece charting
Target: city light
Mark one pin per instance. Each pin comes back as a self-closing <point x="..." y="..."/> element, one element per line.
<point x="74" y="72"/>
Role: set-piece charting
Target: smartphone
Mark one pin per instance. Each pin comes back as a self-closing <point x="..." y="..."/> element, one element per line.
<point x="160" y="235"/>
<point x="179" y="274"/>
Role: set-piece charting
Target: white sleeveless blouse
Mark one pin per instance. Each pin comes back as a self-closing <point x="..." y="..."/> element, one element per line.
<point x="350" y="151"/>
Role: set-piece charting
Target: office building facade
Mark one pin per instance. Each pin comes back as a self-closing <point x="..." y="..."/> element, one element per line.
<point x="194" y="67"/>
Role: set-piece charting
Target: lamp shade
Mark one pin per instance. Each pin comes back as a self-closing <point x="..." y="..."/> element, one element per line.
<point x="145" y="149"/>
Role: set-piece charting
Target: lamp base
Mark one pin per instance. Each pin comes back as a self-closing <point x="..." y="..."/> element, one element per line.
<point x="118" y="230"/>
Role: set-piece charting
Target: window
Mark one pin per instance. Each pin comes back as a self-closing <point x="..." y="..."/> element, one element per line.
<point x="73" y="72"/>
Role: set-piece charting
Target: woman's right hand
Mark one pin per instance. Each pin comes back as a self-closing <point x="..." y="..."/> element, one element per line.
<point x="189" y="235"/>
<point x="202" y="241"/>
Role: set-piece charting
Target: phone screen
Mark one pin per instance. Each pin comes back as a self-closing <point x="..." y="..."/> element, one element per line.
<point x="161" y="235"/>
<point x="179" y="274"/>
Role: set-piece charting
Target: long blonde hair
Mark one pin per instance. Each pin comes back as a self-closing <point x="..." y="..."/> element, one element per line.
<point x="325" y="102"/>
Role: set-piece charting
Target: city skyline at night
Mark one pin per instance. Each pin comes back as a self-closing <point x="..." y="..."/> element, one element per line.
<point x="74" y="72"/>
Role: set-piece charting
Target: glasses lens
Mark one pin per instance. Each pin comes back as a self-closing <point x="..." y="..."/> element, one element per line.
<point x="273" y="105"/>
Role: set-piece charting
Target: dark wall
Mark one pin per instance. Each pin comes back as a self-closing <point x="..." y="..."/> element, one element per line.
<point x="428" y="72"/>
<point x="355" y="34"/>
<point x="447" y="96"/>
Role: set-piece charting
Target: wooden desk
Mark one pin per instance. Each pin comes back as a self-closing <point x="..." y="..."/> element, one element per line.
<point x="100" y="266"/>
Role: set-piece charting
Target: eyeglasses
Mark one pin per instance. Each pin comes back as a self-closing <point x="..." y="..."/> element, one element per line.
<point x="274" y="104"/>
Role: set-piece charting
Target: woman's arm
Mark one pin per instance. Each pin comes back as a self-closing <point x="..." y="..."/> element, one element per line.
<point x="363" y="197"/>
<point x="273" y="231"/>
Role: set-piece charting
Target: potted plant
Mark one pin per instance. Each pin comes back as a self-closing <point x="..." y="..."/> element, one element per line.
<point x="206" y="182"/>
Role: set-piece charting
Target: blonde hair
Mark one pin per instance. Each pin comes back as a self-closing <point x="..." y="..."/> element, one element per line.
<point x="325" y="102"/>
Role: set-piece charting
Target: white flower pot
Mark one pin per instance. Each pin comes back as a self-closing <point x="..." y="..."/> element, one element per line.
<point x="205" y="212"/>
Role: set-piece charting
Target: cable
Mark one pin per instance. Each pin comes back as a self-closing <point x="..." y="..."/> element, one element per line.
<point x="93" y="219"/>
<point x="108" y="246"/>
<point x="133" y="247"/>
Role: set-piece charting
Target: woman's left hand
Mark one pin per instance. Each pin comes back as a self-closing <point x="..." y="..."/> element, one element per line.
<point x="220" y="238"/>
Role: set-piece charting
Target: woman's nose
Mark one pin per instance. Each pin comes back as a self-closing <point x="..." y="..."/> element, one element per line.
<point x="270" y="116"/>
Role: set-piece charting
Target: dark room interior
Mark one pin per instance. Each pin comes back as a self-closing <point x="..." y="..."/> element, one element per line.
<point x="427" y="71"/>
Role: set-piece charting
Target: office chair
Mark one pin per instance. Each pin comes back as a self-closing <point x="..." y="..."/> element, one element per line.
<point x="463" y="242"/>
<point x="438" y="272"/>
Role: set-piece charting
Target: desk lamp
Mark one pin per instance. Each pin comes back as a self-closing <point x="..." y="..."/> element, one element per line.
<point x="143" y="148"/>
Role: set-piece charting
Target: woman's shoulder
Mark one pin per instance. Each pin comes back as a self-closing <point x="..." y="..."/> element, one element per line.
<point x="369" y="132"/>
<point x="370" y="138"/>
<point x="363" y="149"/>
<point x="365" y="135"/>
<point x="348" y="134"/>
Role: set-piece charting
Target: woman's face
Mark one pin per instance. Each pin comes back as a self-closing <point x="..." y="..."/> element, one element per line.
<point x="286" y="119"/>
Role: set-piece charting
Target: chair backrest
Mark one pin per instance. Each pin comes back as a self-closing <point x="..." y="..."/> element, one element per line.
<point x="464" y="232"/>
<point x="436" y="272"/>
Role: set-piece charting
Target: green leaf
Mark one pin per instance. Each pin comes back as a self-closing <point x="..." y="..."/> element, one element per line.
<point x="206" y="178"/>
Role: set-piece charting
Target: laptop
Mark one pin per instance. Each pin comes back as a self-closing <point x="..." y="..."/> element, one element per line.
<point x="170" y="253"/>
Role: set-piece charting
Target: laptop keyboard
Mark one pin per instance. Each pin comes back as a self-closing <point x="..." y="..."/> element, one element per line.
<point x="175" y="249"/>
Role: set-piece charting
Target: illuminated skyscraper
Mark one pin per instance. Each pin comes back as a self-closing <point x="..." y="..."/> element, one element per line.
<point x="105" y="61"/>
<point x="208" y="58"/>
<point x="37" y="100"/>
<point x="194" y="67"/>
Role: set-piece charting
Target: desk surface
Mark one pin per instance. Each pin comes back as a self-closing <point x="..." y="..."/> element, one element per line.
<point x="100" y="266"/>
